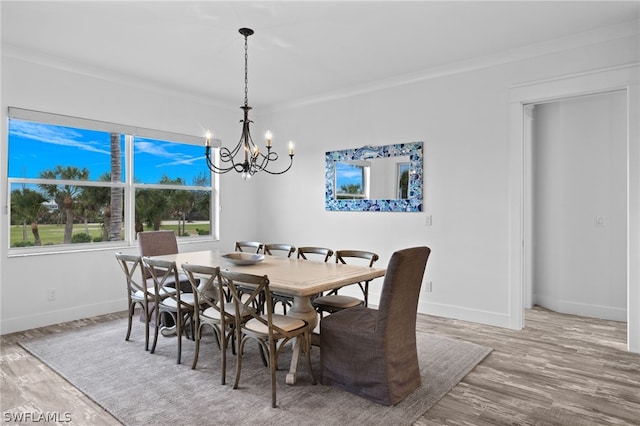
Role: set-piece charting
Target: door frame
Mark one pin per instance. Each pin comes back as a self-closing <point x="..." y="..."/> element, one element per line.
<point x="623" y="77"/>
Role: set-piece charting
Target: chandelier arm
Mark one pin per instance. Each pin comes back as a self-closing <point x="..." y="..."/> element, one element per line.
<point x="216" y="169"/>
<point x="266" y="159"/>
<point x="283" y="171"/>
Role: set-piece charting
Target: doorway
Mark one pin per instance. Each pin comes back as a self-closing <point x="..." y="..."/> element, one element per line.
<point x="625" y="78"/>
<point x="579" y="205"/>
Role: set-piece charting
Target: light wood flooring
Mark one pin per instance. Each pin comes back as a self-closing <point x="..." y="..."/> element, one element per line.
<point x="559" y="370"/>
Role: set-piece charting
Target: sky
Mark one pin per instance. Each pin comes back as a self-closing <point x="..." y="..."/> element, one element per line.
<point x="36" y="147"/>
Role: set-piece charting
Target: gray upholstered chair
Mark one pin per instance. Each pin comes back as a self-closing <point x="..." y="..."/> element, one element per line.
<point x="157" y="243"/>
<point x="271" y="331"/>
<point x="334" y="302"/>
<point x="373" y="353"/>
<point x="137" y="292"/>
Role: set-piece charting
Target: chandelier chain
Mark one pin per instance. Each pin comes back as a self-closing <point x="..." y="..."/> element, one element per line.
<point x="246" y="72"/>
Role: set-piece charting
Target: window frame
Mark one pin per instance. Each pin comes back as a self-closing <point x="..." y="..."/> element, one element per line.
<point x="129" y="186"/>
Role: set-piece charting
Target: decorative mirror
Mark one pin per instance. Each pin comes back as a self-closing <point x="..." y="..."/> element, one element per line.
<point x="384" y="178"/>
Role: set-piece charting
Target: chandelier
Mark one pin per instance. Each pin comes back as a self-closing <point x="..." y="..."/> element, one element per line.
<point x="250" y="159"/>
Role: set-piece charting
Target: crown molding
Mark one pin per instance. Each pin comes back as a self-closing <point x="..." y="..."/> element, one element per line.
<point x="600" y="35"/>
<point x="55" y="62"/>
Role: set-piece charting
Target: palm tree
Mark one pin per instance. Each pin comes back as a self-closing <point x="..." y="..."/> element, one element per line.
<point x="95" y="201"/>
<point x="115" y="209"/>
<point x="26" y="206"/>
<point x="65" y="195"/>
<point x="151" y="207"/>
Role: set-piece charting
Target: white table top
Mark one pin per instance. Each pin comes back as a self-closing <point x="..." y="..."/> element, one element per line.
<point x="292" y="277"/>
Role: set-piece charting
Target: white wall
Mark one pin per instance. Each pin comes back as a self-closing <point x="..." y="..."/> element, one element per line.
<point x="462" y="118"/>
<point x="580" y="174"/>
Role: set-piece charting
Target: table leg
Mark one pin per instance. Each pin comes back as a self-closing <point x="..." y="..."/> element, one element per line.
<point x="302" y="309"/>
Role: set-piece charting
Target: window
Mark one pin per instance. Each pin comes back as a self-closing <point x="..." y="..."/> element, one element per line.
<point x="76" y="181"/>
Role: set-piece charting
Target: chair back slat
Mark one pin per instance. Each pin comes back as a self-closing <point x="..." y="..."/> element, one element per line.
<point x="258" y="286"/>
<point x="249" y="246"/>
<point x="204" y="283"/>
<point x="131" y="265"/>
<point x="273" y="249"/>
<point x="303" y="252"/>
<point x="343" y="255"/>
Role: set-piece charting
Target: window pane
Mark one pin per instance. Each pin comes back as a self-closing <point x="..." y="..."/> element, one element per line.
<point x="184" y="211"/>
<point x="157" y="161"/>
<point x="44" y="150"/>
<point x="63" y="214"/>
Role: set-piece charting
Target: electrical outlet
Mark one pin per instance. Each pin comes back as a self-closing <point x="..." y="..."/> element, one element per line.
<point x="427" y="287"/>
<point x="51" y="294"/>
<point x="428" y="221"/>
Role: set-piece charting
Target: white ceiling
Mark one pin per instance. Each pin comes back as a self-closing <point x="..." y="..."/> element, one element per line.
<point x="300" y="50"/>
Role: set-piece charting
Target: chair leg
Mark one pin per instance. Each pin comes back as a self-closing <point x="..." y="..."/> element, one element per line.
<point x="132" y="307"/>
<point x="273" y="365"/>
<point x="239" y="358"/>
<point x="223" y="353"/>
<point x="147" y="320"/>
<point x="155" y="333"/>
<point x="198" y="335"/>
<point x="264" y="358"/>
<point x="179" y="330"/>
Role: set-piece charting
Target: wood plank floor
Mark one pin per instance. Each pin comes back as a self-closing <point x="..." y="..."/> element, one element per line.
<point x="559" y="370"/>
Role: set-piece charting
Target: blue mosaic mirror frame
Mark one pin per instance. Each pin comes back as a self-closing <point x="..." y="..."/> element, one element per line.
<point x="411" y="204"/>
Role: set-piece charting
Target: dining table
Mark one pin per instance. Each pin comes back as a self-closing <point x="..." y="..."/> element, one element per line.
<point x="299" y="278"/>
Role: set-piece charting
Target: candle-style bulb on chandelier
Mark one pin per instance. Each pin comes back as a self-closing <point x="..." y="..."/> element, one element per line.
<point x="250" y="159"/>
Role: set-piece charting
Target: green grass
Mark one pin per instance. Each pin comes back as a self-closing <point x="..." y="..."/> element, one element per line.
<point x="54" y="234"/>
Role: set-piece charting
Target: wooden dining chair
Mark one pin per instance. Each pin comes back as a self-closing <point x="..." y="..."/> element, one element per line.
<point x="160" y="243"/>
<point x="137" y="292"/>
<point x="212" y="309"/>
<point x="170" y="299"/>
<point x="271" y="331"/>
<point x="251" y="247"/>
<point x="285" y="250"/>
<point x="334" y="302"/>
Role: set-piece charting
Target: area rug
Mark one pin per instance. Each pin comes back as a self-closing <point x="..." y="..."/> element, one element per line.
<point x="139" y="388"/>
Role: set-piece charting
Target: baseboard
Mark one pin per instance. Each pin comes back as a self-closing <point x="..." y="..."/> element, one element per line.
<point x="12" y="325"/>
<point x="465" y="314"/>
<point x="582" y="309"/>
<point x="443" y="310"/>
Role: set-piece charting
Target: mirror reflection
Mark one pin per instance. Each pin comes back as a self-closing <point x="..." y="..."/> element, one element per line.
<point x="377" y="178"/>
